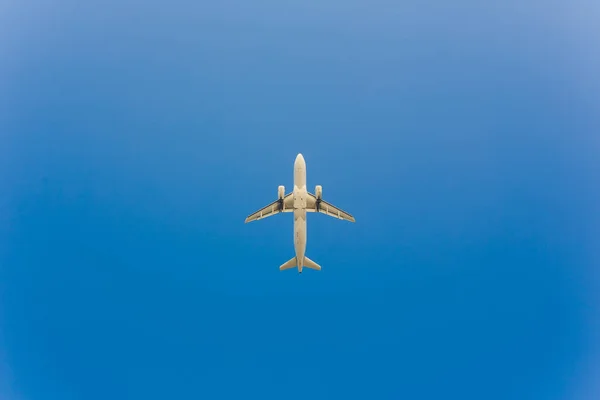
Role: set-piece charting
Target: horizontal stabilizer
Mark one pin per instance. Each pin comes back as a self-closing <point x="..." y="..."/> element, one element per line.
<point x="308" y="263"/>
<point x="289" y="264"/>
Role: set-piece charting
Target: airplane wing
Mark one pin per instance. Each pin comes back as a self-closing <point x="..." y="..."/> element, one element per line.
<point x="281" y="205"/>
<point x="314" y="205"/>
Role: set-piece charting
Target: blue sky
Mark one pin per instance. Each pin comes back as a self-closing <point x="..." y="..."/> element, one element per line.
<point x="136" y="137"/>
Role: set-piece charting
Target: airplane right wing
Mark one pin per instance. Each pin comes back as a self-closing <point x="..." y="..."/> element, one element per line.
<point x="280" y="205"/>
<point x="318" y="205"/>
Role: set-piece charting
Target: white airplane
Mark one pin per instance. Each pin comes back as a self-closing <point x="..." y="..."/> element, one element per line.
<point x="300" y="201"/>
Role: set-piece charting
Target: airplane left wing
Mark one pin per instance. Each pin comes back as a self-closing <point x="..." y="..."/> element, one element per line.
<point x="319" y="205"/>
<point x="280" y="205"/>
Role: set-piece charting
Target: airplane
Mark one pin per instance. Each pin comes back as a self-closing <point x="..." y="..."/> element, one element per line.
<point x="300" y="202"/>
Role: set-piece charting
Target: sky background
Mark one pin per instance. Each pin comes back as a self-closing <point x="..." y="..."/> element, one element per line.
<point x="136" y="136"/>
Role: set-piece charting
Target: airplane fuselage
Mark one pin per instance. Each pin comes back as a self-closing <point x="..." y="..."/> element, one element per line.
<point x="300" y="194"/>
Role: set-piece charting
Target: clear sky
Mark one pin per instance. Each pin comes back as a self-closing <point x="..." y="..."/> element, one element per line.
<point x="136" y="136"/>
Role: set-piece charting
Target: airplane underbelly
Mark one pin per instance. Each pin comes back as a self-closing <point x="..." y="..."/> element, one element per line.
<point x="300" y="232"/>
<point x="300" y="200"/>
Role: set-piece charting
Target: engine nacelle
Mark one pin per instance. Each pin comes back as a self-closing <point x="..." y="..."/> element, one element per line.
<point x="281" y="192"/>
<point x="319" y="192"/>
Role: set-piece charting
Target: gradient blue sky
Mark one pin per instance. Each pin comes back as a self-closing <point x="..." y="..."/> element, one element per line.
<point x="135" y="137"/>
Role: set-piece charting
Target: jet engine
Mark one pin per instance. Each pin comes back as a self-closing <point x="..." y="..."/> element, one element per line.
<point x="319" y="192"/>
<point x="280" y="196"/>
<point x="319" y="196"/>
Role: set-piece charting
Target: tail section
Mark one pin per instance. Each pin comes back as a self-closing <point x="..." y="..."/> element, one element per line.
<point x="293" y="263"/>
<point x="289" y="264"/>
<point x="308" y="263"/>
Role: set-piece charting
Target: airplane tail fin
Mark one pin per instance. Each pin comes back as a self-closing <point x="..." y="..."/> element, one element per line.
<point x="293" y="263"/>
<point x="289" y="264"/>
<point x="308" y="263"/>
